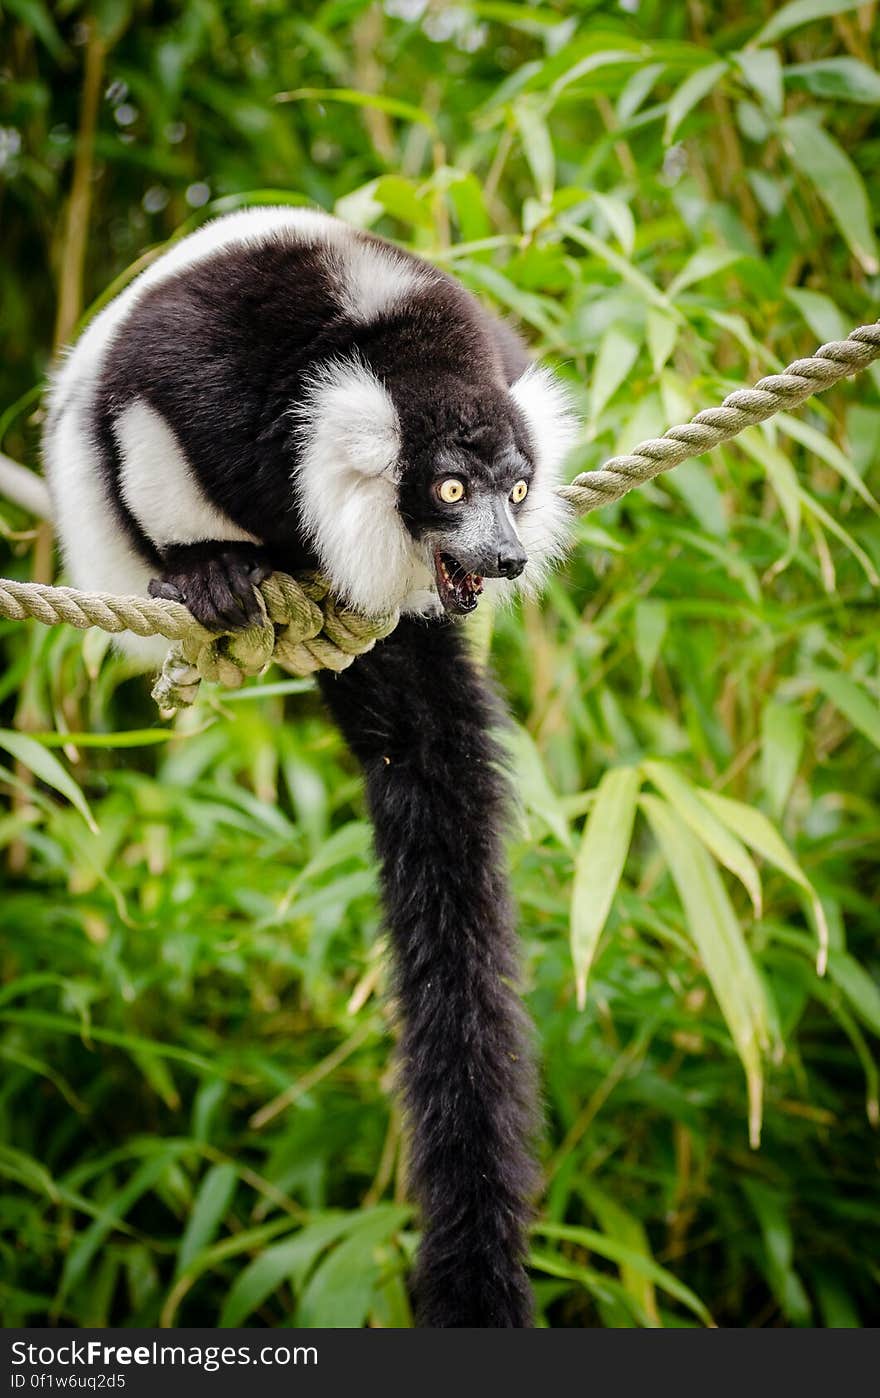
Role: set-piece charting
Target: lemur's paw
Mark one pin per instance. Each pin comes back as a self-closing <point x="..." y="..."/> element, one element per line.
<point x="215" y="582"/>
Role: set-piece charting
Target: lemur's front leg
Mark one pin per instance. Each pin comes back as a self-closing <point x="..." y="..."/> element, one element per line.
<point x="215" y="580"/>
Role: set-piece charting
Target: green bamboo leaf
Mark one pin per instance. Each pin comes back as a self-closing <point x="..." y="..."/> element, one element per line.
<point x="661" y="332"/>
<point x="798" y="12"/>
<point x="599" y="865"/>
<point x="651" y="624"/>
<point x="534" y="310"/>
<point x="824" y="318"/>
<point x="841" y="79"/>
<point x="636" y="89"/>
<point x="761" y="835"/>
<point x="24" y="1169"/>
<point x="48" y="769"/>
<point x="248" y="1240"/>
<point x="694" y="88"/>
<point x="465" y="194"/>
<point x="208" y="1211"/>
<point x="532" y="783"/>
<point x="837" y="1303"/>
<point x="783" y="479"/>
<point x="817" y="443"/>
<point x="762" y="70"/>
<point x="392" y="106"/>
<point x="772" y="1213"/>
<point x="617" y="1251"/>
<point x="717" y="837"/>
<point x="400" y="198"/>
<point x="158" y="1075"/>
<point x="624" y="269"/>
<point x="618" y="215"/>
<point x="531" y="19"/>
<point x="862" y="711"/>
<point x="828" y="521"/>
<point x="290" y="1260"/>
<point x="757" y="831"/>
<point x="622" y="1225"/>
<point x="782" y="743"/>
<point x="37" y="16"/>
<point x="819" y="157"/>
<point x="718" y="938"/>
<point x="694" y="483"/>
<point x="341" y="1288"/>
<point x="127" y="738"/>
<point x="81" y="1254"/>
<point x="840" y="1012"/>
<point x="591" y="64"/>
<point x="616" y="1306"/>
<point x="617" y="353"/>
<point x="41" y="1019"/>
<point x="860" y="990"/>
<point x="705" y="262"/>
<point x="529" y="115"/>
<point x="13" y="1054"/>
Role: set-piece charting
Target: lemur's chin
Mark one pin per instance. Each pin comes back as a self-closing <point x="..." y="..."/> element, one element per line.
<point x="458" y="589"/>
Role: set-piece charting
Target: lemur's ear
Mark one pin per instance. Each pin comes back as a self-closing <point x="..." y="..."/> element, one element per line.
<point x="348" y="422"/>
<point x="549" y="414"/>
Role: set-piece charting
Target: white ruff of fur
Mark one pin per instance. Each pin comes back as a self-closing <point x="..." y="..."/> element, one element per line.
<point x="544" y="523"/>
<point x="346" y="481"/>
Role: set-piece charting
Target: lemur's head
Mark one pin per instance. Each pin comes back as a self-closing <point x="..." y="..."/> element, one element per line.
<point x="417" y="492"/>
<point x="465" y="469"/>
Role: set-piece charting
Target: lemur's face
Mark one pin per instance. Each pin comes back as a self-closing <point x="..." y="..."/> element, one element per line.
<point x="431" y="483"/>
<point x="461" y="498"/>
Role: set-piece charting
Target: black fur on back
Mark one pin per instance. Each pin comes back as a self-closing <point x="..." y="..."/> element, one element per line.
<point x="417" y="714"/>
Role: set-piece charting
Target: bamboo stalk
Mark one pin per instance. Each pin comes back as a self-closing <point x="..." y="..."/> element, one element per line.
<point x="79" y="208"/>
<point x="24" y="488"/>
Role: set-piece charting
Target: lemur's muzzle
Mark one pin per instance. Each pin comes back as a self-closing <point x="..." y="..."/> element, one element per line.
<point x="502" y="555"/>
<point x="461" y="568"/>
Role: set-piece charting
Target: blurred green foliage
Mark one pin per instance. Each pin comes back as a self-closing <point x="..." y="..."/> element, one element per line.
<point x="196" y="1107"/>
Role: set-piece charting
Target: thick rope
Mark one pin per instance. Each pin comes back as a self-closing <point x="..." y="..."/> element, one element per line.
<point x="744" y="408"/>
<point x="305" y="629"/>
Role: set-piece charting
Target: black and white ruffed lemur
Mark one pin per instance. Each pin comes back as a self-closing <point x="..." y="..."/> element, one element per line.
<point x="279" y="390"/>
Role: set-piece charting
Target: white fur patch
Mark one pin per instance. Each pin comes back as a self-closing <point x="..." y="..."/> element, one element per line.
<point x="97" y="554"/>
<point x="373" y="279"/>
<point x="159" y="485"/>
<point x="346" y="481"/>
<point x="544" y="522"/>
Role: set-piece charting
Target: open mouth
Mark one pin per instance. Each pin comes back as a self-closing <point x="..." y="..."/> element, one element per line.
<point x="459" y="590"/>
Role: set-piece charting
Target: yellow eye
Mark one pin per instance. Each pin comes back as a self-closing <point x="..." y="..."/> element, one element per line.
<point x="450" y="491"/>
<point x="519" y="492"/>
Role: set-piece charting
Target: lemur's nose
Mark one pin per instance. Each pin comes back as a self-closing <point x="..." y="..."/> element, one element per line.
<point x="511" y="563"/>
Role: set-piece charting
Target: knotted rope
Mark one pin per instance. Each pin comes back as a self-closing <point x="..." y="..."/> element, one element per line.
<point x="305" y="629"/>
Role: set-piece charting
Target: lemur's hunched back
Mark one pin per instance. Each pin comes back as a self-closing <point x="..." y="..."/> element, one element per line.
<point x="280" y="390"/>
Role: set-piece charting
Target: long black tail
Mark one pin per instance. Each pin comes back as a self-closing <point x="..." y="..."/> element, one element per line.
<point x="417" y="714"/>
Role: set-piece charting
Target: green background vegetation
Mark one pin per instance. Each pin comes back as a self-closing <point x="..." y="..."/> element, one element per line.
<point x="197" y="1119"/>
